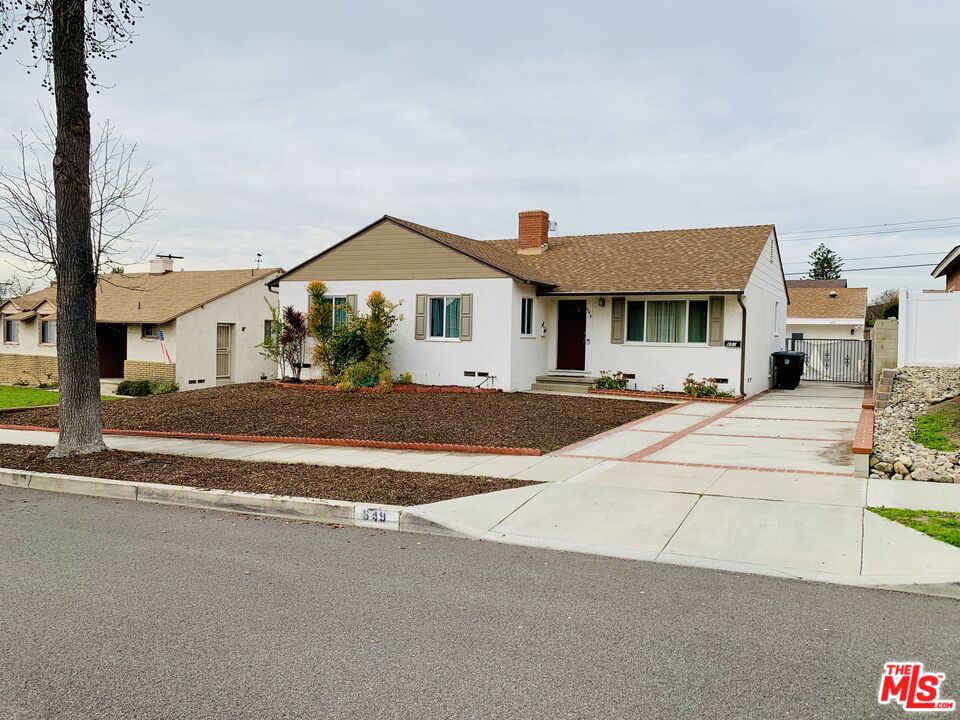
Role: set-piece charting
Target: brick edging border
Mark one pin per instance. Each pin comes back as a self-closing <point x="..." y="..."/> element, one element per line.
<point x="397" y="388"/>
<point x="664" y="395"/>
<point x="332" y="442"/>
<point x="863" y="437"/>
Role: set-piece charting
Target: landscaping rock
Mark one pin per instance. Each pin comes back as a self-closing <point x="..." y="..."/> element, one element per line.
<point x="895" y="455"/>
<point x="922" y="474"/>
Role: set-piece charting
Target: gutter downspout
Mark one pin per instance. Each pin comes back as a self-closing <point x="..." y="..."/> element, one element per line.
<point x="743" y="345"/>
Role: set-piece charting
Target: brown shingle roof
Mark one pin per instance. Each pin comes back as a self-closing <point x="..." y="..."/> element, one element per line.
<point x="816" y="302"/>
<point x="704" y="259"/>
<point x="146" y="298"/>
<point x="699" y="259"/>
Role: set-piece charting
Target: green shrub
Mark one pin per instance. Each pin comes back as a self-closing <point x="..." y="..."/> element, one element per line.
<point x="142" y="388"/>
<point x="346" y="345"/>
<point x="134" y="388"/>
<point x="404" y="378"/>
<point x="162" y="387"/>
<point x="612" y="381"/>
<point x="703" y="388"/>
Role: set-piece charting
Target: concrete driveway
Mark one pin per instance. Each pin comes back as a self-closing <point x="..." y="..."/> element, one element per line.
<point x="765" y="486"/>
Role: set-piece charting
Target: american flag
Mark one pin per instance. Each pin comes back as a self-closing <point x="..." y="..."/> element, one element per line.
<point x="163" y="348"/>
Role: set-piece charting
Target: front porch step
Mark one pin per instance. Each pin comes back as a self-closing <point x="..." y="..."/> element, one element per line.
<point x="564" y="383"/>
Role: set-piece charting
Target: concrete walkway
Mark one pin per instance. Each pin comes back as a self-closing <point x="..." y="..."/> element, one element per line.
<point x="765" y="486"/>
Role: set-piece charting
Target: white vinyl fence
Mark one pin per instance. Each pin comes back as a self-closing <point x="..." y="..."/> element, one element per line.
<point x="929" y="331"/>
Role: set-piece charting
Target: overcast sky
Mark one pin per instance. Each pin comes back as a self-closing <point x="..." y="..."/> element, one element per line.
<point x="282" y="131"/>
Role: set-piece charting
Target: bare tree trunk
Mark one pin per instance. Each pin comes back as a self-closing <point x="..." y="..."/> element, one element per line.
<point x="80" y="420"/>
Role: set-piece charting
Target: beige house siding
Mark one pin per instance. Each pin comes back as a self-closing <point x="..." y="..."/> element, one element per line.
<point x="30" y="369"/>
<point x="389" y="252"/>
<point x="140" y="370"/>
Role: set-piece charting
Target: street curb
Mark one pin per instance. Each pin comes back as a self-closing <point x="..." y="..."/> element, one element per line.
<point x="338" y="512"/>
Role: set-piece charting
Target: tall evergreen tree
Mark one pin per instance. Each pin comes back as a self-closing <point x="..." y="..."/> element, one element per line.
<point x="825" y="264"/>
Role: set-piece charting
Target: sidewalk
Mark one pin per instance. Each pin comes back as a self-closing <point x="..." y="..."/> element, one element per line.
<point x="765" y="486"/>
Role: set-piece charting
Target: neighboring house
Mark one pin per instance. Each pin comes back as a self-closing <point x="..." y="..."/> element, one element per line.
<point x="950" y="267"/>
<point x="211" y="322"/>
<point x="826" y="310"/>
<point x="505" y="313"/>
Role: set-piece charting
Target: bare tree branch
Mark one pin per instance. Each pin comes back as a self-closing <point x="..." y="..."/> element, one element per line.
<point x="121" y="200"/>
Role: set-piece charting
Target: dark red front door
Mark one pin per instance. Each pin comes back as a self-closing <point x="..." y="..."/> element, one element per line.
<point x="572" y="334"/>
<point x="111" y="349"/>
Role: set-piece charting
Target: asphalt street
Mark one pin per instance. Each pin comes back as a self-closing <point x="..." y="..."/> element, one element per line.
<point x="127" y="610"/>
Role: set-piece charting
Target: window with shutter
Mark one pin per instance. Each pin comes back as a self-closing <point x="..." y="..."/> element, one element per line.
<point x="420" y="322"/>
<point x="716" y="321"/>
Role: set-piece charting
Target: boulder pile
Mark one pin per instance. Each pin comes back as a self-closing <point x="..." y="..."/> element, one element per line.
<point x="895" y="455"/>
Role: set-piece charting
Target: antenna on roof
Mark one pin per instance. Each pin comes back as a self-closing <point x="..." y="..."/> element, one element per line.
<point x="259" y="255"/>
<point x="552" y="227"/>
<point x="170" y="257"/>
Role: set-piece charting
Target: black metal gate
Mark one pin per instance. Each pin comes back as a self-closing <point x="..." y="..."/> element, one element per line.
<point x="835" y="360"/>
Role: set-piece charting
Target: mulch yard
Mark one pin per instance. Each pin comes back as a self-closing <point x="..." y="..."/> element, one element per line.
<point x="516" y="420"/>
<point x="372" y="485"/>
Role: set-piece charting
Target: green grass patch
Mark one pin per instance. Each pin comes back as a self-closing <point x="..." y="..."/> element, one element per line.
<point x="943" y="526"/>
<point x="939" y="429"/>
<point x="931" y="432"/>
<point x="14" y="396"/>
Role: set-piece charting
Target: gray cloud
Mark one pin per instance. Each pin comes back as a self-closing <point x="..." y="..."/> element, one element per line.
<point x="283" y="131"/>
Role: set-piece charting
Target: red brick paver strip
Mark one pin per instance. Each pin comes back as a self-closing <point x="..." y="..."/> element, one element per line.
<point x="667" y="441"/>
<point x="632" y="425"/>
<point x="863" y="437"/>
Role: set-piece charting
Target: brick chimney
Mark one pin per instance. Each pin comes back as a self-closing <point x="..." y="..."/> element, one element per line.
<point x="532" y="237"/>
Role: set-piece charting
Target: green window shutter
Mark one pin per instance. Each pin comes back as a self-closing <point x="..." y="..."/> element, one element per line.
<point x="352" y="304"/>
<point x="420" y="325"/>
<point x="716" y="321"/>
<point x="466" y="317"/>
<point x="619" y="305"/>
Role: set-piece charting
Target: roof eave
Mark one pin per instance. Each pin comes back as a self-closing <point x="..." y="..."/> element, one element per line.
<point x="727" y="291"/>
<point x="944" y="265"/>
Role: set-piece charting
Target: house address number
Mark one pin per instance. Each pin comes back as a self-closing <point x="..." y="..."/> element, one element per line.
<point x="731" y="343"/>
<point x="368" y="516"/>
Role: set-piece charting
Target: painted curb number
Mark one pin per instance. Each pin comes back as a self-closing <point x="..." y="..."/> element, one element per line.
<point x="376" y="517"/>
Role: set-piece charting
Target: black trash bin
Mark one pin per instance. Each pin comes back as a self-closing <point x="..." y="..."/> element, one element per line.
<point x="787" y="369"/>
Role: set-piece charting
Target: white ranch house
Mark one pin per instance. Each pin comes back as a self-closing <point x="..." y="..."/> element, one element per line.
<point x="548" y="310"/>
<point x="211" y="322"/>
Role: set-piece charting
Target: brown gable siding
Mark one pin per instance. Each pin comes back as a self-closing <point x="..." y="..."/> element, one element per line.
<point x="387" y="251"/>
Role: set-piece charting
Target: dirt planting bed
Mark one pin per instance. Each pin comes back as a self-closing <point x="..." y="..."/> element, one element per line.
<point x="392" y="487"/>
<point x="506" y="420"/>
